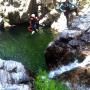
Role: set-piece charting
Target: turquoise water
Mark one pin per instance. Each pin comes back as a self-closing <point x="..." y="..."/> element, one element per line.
<point x="18" y="44"/>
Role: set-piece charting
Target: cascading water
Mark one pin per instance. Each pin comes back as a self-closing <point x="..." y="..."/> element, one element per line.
<point x="70" y="66"/>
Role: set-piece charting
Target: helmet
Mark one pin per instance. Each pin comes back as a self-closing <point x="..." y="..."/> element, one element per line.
<point x="33" y="15"/>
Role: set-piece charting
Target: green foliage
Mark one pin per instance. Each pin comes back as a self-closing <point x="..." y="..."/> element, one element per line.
<point x="42" y="82"/>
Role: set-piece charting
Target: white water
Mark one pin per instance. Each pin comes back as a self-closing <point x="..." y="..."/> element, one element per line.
<point x="69" y="67"/>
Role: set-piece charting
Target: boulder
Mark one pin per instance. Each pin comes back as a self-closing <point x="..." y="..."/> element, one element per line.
<point x="59" y="53"/>
<point x="14" y="76"/>
<point x="15" y="10"/>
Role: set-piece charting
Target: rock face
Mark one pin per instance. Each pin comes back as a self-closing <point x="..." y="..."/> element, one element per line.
<point x="13" y="76"/>
<point x="63" y="51"/>
<point x="18" y="11"/>
<point x="15" y="10"/>
<point x="49" y="18"/>
<point x="68" y="56"/>
<point x="1" y="23"/>
<point x="70" y="43"/>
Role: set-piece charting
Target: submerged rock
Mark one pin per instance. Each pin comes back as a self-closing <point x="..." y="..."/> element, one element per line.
<point x="13" y="76"/>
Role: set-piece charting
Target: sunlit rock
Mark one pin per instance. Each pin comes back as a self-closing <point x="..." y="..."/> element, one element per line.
<point x="1" y="22"/>
<point x="14" y="87"/>
<point x="59" y="52"/>
<point x="5" y="77"/>
<point x="60" y="24"/>
<point x="20" y="77"/>
<point x="82" y="21"/>
<point x="49" y="18"/>
<point x="70" y="33"/>
<point x="13" y="76"/>
<point x="14" y="10"/>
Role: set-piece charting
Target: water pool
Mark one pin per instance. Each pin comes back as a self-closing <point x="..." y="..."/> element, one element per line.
<point x="19" y="45"/>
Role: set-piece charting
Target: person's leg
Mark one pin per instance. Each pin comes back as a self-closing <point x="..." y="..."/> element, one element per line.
<point x="76" y="11"/>
<point x="67" y="17"/>
<point x="33" y="28"/>
<point x="37" y="25"/>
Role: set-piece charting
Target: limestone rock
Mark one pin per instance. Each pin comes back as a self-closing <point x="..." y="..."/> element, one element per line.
<point x="13" y="76"/>
<point x="70" y="33"/>
<point x="1" y="23"/>
<point x="82" y="21"/>
<point x="14" y="10"/>
<point x="49" y="18"/>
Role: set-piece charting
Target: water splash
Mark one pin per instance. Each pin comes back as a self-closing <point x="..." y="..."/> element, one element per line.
<point x="71" y="66"/>
<point x="63" y="69"/>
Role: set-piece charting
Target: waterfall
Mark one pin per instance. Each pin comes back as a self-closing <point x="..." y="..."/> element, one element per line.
<point x="70" y="66"/>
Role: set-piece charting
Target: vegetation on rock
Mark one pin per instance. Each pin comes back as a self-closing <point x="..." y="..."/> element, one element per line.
<point x="42" y="82"/>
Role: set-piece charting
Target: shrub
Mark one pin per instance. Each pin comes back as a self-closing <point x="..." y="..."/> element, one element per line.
<point x="42" y="82"/>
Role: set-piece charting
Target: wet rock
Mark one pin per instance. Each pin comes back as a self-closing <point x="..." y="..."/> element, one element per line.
<point x="12" y="10"/>
<point x="13" y="76"/>
<point x="79" y="76"/>
<point x="76" y="73"/>
<point x="60" y="53"/>
<point x="86" y="37"/>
